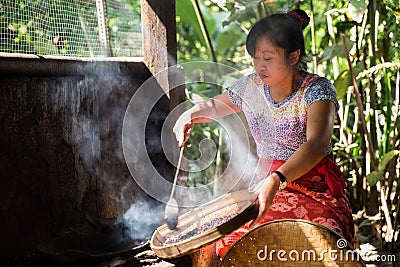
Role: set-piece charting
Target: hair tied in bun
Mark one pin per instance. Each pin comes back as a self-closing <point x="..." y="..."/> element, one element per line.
<point x="301" y="21"/>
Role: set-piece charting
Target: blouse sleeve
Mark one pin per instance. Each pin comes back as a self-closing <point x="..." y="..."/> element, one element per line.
<point x="321" y="89"/>
<point x="240" y="89"/>
<point x="236" y="91"/>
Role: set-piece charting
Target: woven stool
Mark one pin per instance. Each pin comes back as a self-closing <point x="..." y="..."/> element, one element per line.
<point x="291" y="243"/>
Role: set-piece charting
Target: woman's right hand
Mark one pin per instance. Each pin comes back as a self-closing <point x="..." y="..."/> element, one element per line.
<point x="203" y="112"/>
<point x="183" y="128"/>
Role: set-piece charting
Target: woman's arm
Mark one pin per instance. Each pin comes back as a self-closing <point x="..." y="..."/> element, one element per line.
<point x="206" y="111"/>
<point x="320" y="120"/>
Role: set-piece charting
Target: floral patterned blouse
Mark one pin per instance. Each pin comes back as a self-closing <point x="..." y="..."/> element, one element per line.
<point x="279" y="129"/>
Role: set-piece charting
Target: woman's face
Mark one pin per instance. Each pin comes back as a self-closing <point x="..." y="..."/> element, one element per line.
<point x="270" y="63"/>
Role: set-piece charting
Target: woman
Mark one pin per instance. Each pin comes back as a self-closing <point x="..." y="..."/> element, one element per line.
<point x="302" y="110"/>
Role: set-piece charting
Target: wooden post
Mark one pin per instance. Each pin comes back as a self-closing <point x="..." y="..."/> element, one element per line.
<point x="159" y="51"/>
<point x="159" y="38"/>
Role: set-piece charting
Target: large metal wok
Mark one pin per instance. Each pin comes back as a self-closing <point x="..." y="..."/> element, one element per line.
<point x="86" y="244"/>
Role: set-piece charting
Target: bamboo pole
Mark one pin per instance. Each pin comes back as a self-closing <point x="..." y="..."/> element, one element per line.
<point x="374" y="21"/>
<point x="313" y="40"/>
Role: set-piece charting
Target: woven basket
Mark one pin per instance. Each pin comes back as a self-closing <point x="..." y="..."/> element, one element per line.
<point x="298" y="240"/>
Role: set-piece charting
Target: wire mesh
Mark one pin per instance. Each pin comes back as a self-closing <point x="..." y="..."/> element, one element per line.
<point x="125" y="29"/>
<point x="70" y="27"/>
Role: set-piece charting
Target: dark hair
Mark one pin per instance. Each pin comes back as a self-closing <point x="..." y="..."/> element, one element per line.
<point x="284" y="30"/>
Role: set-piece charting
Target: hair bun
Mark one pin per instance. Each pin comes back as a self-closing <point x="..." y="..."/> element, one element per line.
<point x="301" y="17"/>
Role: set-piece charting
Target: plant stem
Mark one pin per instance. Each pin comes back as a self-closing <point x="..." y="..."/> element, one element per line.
<point x="204" y="30"/>
<point x="374" y="22"/>
<point x="218" y="161"/>
<point x="335" y="63"/>
<point x="360" y="105"/>
<point x="314" y="45"/>
<point x="396" y="106"/>
<point x="371" y="149"/>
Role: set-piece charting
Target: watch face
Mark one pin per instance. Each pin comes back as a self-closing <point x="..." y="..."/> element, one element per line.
<point x="282" y="185"/>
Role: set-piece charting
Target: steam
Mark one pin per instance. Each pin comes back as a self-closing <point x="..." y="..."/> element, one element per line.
<point x="142" y="218"/>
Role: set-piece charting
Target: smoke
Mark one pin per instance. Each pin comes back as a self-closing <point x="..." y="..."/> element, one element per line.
<point x="89" y="109"/>
<point x="142" y="218"/>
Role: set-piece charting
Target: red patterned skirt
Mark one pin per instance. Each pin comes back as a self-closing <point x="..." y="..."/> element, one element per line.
<point x="318" y="196"/>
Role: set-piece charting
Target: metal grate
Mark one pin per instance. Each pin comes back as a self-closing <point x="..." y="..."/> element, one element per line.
<point x="83" y="28"/>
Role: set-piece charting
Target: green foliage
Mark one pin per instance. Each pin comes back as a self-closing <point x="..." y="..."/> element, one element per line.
<point x="226" y="41"/>
<point x="332" y="51"/>
<point x="374" y="177"/>
<point x="342" y="83"/>
<point x="386" y="158"/>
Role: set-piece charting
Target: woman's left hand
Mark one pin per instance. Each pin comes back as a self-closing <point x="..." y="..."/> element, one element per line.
<point x="266" y="195"/>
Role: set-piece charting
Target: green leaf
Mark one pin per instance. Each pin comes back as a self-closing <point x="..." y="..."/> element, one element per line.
<point x="365" y="222"/>
<point x="248" y="2"/>
<point x="386" y="158"/>
<point x="358" y="4"/>
<point x="332" y="51"/>
<point x="358" y="68"/>
<point x="187" y="14"/>
<point x="209" y="19"/>
<point x="229" y="38"/>
<point x="342" y="83"/>
<point x="374" y="177"/>
<point x="112" y="22"/>
<point x="396" y="12"/>
<point x="234" y="16"/>
<point x="356" y="10"/>
<point x="344" y="26"/>
<point x="241" y="12"/>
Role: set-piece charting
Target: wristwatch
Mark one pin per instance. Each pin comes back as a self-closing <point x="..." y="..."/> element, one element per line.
<point x="282" y="180"/>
